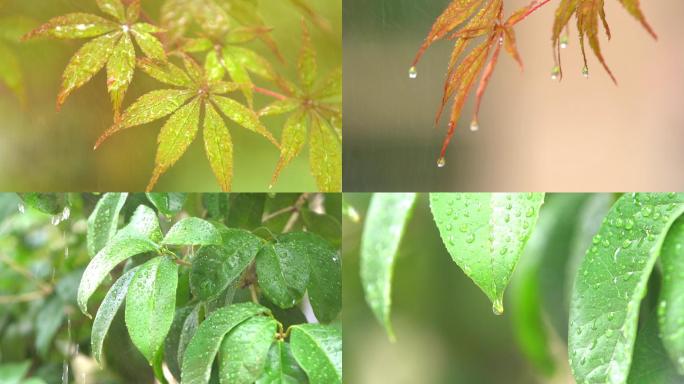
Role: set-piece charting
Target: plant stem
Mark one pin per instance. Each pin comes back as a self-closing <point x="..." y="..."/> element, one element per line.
<point x="270" y="93"/>
<point x="253" y="292"/>
<point x="532" y="10"/>
<point x="295" y="214"/>
<point x="23" y="297"/>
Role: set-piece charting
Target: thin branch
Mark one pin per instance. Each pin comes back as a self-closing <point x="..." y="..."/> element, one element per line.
<point x="532" y="10"/>
<point x="277" y="213"/>
<point x="23" y="297"/>
<point x="295" y="214"/>
<point x="253" y="292"/>
<point x="268" y="92"/>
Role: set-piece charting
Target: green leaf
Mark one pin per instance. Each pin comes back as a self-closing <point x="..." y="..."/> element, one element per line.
<point x="148" y="44"/>
<point x="166" y="72"/>
<point x="219" y="147"/>
<point x="48" y="321"/>
<point x="105" y="314"/>
<point x="612" y="280"/>
<point x="251" y="61"/>
<point x="190" y="326"/>
<point x="485" y="233"/>
<point x="73" y="26"/>
<point x="85" y="63"/>
<point x="318" y="349"/>
<point x="120" y="68"/>
<point x="215" y="267"/>
<point x="244" y="350"/>
<point x="12" y="373"/>
<point x="283" y="274"/>
<point x="386" y="221"/>
<point x="325" y="156"/>
<point x="293" y="140"/>
<point x="323" y="225"/>
<point x="103" y="221"/>
<point x="281" y="367"/>
<point x="200" y="353"/>
<point x="173" y="339"/>
<point x="192" y="231"/>
<point x="217" y="205"/>
<point x="212" y="67"/>
<point x="145" y="223"/>
<point x="332" y="85"/>
<point x="117" y="250"/>
<point x="150" y="304"/>
<point x="238" y="74"/>
<point x="307" y="59"/>
<point x="168" y="203"/>
<point x="242" y="116"/>
<point x="279" y="107"/>
<point x="246" y="210"/>
<point x="175" y="138"/>
<point x="50" y="203"/>
<point x="133" y="11"/>
<point x="651" y="364"/>
<point x="671" y="301"/>
<point x="112" y="7"/>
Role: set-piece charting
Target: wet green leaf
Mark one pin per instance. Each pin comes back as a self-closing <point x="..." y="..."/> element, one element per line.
<point x="238" y="74"/>
<point x="145" y="223"/>
<point x="112" y="7"/>
<point x="166" y="72"/>
<point x="148" y="44"/>
<point x="192" y="231"/>
<point x="324" y="225"/>
<point x="279" y="107"/>
<point x="612" y="280"/>
<point x="246" y="210"/>
<point x="283" y="274"/>
<point x="332" y="85"/>
<point x="250" y="61"/>
<point x="281" y="367"/>
<point x="318" y="349"/>
<point x="105" y="314"/>
<point x="50" y="203"/>
<point x="485" y="234"/>
<point x="386" y="221"/>
<point x="48" y="321"/>
<point x="217" y="205"/>
<point x="200" y="353"/>
<point x="103" y="221"/>
<point x="219" y="147"/>
<point x="73" y="26"/>
<point x="190" y="326"/>
<point x="293" y="139"/>
<point x="242" y="116"/>
<point x="307" y="66"/>
<point x="244" y="350"/>
<point x="212" y="67"/>
<point x="671" y="305"/>
<point x="325" y="156"/>
<point x="150" y="304"/>
<point x="215" y="267"/>
<point x="651" y="364"/>
<point x="168" y="203"/>
<point x="173" y="339"/>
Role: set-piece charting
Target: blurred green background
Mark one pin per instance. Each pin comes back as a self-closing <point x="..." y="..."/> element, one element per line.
<point x="43" y="150"/>
<point x="535" y="134"/>
<point x="445" y="328"/>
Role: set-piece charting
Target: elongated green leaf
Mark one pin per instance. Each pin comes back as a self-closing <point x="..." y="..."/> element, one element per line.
<point x="150" y="304"/>
<point x="281" y="367"/>
<point x="73" y="26"/>
<point x="293" y="140"/>
<point x="250" y="60"/>
<point x="219" y="147"/>
<point x="283" y="274"/>
<point x="324" y="225"/>
<point x="215" y="267"/>
<point x="212" y="67"/>
<point x="651" y="364"/>
<point x="307" y="66"/>
<point x="103" y="221"/>
<point x="117" y="250"/>
<point x="485" y="233"/>
<point x="48" y="321"/>
<point x="216" y="204"/>
<point x="50" y="203"/>
<point x="325" y="156"/>
<point x="386" y="221"/>
<point x="166" y="72"/>
<point x="12" y="373"/>
<point x="105" y="314"/>
<point x="238" y="74"/>
<point x="168" y="203"/>
<point x="671" y="305"/>
<point x="244" y="350"/>
<point x="85" y="63"/>
<point x="242" y="116"/>
<point x="246" y="210"/>
<point x="120" y="68"/>
<point x="149" y="44"/>
<point x="192" y="231"/>
<point x="318" y="349"/>
<point x="175" y="138"/>
<point x="612" y="280"/>
<point x="279" y="107"/>
<point x="190" y="326"/>
<point x="173" y="339"/>
<point x="332" y="86"/>
<point x="145" y="223"/>
<point x="133" y="11"/>
<point x="112" y="7"/>
<point x="200" y="353"/>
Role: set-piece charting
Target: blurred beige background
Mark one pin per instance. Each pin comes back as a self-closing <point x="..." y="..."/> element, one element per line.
<point x="535" y="134"/>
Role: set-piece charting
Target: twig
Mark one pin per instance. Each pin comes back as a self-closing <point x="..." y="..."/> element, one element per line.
<point x="253" y="292"/>
<point x="23" y="297"/>
<point x="268" y="92"/>
<point x="532" y="10"/>
<point x="295" y="214"/>
<point x="277" y="213"/>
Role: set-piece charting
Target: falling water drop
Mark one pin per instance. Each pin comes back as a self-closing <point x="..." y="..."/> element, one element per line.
<point x="65" y="372"/>
<point x="564" y="41"/>
<point x="413" y="72"/>
<point x="585" y="72"/>
<point x="555" y="73"/>
<point x="497" y="307"/>
<point x="501" y="40"/>
<point x="21" y="207"/>
<point x="474" y="126"/>
<point x="441" y="162"/>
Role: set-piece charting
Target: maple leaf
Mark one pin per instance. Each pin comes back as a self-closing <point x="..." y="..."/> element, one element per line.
<point x="315" y="110"/>
<point x="111" y="46"/>
<point x="588" y="13"/>
<point x="196" y="89"/>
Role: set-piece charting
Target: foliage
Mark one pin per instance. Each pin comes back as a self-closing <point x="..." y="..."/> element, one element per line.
<point x="186" y="288"/>
<point x="589" y="268"/>
<point x="11" y="75"/>
<point x="212" y="39"/>
<point x="466" y="21"/>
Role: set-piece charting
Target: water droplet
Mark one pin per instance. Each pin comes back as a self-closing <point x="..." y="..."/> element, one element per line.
<point x="555" y="73"/>
<point x="21" y="207"/>
<point x="125" y="28"/>
<point x="470" y="238"/>
<point x="564" y="41"/>
<point x="474" y="126"/>
<point x="501" y="40"/>
<point x="413" y="73"/>
<point x="585" y="72"/>
<point x="497" y="307"/>
<point x="441" y="162"/>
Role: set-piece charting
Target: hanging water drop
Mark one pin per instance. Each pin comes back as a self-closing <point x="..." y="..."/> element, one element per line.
<point x="497" y="307"/>
<point x="21" y="207"/>
<point x="413" y="72"/>
<point x="474" y="126"/>
<point x="555" y="73"/>
<point x="441" y="162"/>
<point x="501" y="40"/>
<point x="564" y="41"/>
<point x="585" y="72"/>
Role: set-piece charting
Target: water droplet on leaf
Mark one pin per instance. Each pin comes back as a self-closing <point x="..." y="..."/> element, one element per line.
<point x="441" y="162"/>
<point x="497" y="307"/>
<point x="413" y="73"/>
<point x="555" y="73"/>
<point x="474" y="126"/>
<point x="585" y="72"/>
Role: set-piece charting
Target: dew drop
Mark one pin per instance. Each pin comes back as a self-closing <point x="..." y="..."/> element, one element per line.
<point x="470" y="238"/>
<point x="21" y="207"/>
<point x="555" y="73"/>
<point x="564" y="42"/>
<point x="585" y="72"/>
<point x="413" y="73"/>
<point x="125" y="28"/>
<point x="441" y="162"/>
<point x="474" y="126"/>
<point x="497" y="307"/>
<point x="501" y="40"/>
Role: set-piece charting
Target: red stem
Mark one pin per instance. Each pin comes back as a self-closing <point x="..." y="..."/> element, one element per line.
<point x="532" y="10"/>
<point x="267" y="92"/>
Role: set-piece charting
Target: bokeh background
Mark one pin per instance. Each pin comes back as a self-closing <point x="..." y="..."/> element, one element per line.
<point x="43" y="150"/>
<point x="535" y="134"/>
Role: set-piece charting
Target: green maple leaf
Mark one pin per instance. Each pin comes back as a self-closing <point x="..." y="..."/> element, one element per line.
<point x="315" y="109"/>
<point x="112" y="45"/>
<point x="195" y="90"/>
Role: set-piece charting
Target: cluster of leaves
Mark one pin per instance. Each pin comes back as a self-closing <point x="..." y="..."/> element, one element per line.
<point x="217" y="287"/>
<point x="199" y="97"/>
<point x="466" y="21"/>
<point x="595" y="275"/>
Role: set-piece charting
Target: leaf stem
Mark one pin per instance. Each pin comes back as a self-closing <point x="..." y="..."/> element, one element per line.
<point x="268" y="92"/>
<point x="253" y="292"/>
<point x="532" y="10"/>
<point x="295" y="214"/>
